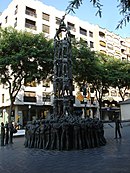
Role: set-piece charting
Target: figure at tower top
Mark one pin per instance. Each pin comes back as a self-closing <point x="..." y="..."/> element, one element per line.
<point x="63" y="83"/>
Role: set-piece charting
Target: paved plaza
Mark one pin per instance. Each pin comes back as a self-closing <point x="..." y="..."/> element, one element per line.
<point x="112" y="158"/>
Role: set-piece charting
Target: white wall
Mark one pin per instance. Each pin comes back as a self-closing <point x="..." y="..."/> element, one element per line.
<point x="125" y="112"/>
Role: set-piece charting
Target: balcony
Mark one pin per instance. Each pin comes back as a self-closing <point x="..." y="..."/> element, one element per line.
<point x="30" y="99"/>
<point x="102" y="43"/>
<point x="58" y="20"/>
<point x="30" y="26"/>
<point x="123" y="51"/>
<point x="101" y="34"/>
<point x="103" y="51"/>
<point x="16" y="11"/>
<point x="45" y="16"/>
<point x="122" y="43"/>
<point x="83" y="31"/>
<point x="71" y="26"/>
<point x="30" y="13"/>
<point x="29" y="96"/>
<point x="15" y="24"/>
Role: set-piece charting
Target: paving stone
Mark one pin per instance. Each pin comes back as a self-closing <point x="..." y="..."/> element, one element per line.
<point x="114" y="157"/>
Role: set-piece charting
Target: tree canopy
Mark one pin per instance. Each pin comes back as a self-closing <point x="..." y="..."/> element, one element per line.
<point x="100" y="72"/>
<point x="24" y="57"/>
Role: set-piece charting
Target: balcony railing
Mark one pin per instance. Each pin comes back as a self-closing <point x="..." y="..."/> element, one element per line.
<point x="30" y="26"/>
<point x="31" y="13"/>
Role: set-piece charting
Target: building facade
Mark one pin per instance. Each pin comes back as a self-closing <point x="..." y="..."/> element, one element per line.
<point x="33" y="16"/>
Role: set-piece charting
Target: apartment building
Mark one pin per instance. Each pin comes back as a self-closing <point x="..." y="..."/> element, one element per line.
<point x="33" y="16"/>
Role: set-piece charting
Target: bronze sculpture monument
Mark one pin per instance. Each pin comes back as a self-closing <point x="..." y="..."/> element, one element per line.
<point x="65" y="129"/>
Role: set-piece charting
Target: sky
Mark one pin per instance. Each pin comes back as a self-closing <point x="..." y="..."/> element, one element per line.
<point x="86" y="12"/>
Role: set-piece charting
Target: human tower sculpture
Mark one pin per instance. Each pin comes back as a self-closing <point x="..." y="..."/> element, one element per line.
<point x="65" y="129"/>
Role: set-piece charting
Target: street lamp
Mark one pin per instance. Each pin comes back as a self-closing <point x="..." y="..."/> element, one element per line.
<point x="4" y="111"/>
<point x="85" y="104"/>
<point x="29" y="113"/>
<point x="85" y="99"/>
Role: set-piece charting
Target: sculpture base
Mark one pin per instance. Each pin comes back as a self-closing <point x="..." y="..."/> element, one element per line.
<point x="65" y="133"/>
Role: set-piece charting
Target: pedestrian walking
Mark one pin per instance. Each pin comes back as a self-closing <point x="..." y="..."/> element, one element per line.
<point x="2" y="134"/>
<point x="118" y="125"/>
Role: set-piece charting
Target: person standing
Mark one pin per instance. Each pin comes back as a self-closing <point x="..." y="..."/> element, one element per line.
<point x="6" y="134"/>
<point x="118" y="125"/>
<point x="2" y="134"/>
<point x="11" y="129"/>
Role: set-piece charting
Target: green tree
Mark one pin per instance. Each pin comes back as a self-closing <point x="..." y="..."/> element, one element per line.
<point x="83" y="62"/>
<point x="92" y="68"/>
<point x="24" y="57"/>
<point x="119" y="75"/>
<point x="89" y="67"/>
<point x="99" y="78"/>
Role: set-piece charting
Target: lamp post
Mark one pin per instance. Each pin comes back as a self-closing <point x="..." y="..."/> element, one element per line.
<point x="85" y="99"/>
<point x="85" y="104"/>
<point x="4" y="111"/>
<point x="29" y="113"/>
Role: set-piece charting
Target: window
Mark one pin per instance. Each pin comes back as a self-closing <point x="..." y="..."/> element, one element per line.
<point x="83" y="31"/>
<point x="6" y="19"/>
<point x="72" y="37"/>
<point x="46" y="83"/>
<point x="16" y="9"/>
<point x="110" y="46"/>
<point x="58" y="21"/>
<point x="46" y="28"/>
<point x="117" y="50"/>
<point x="46" y="97"/>
<point x="101" y="34"/>
<point x="103" y="51"/>
<point x="84" y="41"/>
<point x="71" y="26"/>
<point x="123" y="51"/>
<point x="31" y="12"/>
<point x="109" y="38"/>
<point x="90" y="34"/>
<point x="45" y="16"/>
<point x="102" y="43"/>
<point x="31" y="84"/>
<point x="91" y="44"/>
<point x="110" y="53"/>
<point x="113" y="93"/>
<point x="116" y="40"/>
<point x="29" y="96"/>
<point x="30" y="24"/>
<point x="122" y="43"/>
<point x="3" y="98"/>
<point x="124" y="59"/>
<point x="15" y="24"/>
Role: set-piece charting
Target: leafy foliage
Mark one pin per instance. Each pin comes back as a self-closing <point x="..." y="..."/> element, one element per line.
<point x="75" y="4"/>
<point x="124" y="9"/>
<point x="23" y="57"/>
